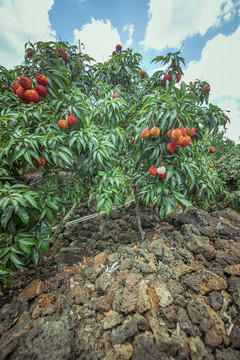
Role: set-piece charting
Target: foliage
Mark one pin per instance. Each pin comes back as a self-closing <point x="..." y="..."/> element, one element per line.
<point x="226" y="160"/>
<point x="103" y="156"/>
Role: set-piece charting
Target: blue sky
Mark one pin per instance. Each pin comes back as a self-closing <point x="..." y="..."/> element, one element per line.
<point x="209" y="30"/>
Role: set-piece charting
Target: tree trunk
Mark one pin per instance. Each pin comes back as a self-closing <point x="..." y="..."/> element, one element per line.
<point x="63" y="222"/>
<point x="138" y="214"/>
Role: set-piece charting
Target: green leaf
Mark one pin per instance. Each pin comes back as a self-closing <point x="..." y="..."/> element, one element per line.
<point x="28" y="158"/>
<point x="18" y="153"/>
<point x="49" y="214"/>
<point x="4" y="271"/>
<point x="6" y="216"/>
<point x="26" y="249"/>
<point x="65" y="157"/>
<point x="35" y="256"/>
<point x="15" y="249"/>
<point x="15" y="259"/>
<point x="31" y="200"/>
<point x="27" y="241"/>
<point x="22" y="213"/>
<point x="53" y="206"/>
<point x="4" y="251"/>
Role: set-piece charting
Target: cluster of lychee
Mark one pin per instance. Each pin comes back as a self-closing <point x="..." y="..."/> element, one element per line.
<point x="181" y="137"/>
<point x="154" y="132"/>
<point x="161" y="171"/>
<point x="118" y="49"/>
<point x="63" y="54"/>
<point x="169" y="78"/>
<point x="63" y="124"/>
<point x="24" y="91"/>
<point x="142" y="73"/>
<point x="115" y="96"/>
<point x="212" y="150"/>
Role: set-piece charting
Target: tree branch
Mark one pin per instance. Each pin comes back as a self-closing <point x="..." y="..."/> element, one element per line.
<point x="138" y="214"/>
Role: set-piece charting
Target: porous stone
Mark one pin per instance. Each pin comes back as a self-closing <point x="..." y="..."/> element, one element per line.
<point x="120" y="352"/>
<point x="32" y="290"/>
<point x="164" y="295"/>
<point x="100" y="259"/>
<point x="123" y="332"/>
<point x="232" y="270"/>
<point x="112" y="320"/>
<point x="209" y="281"/>
<point x="197" y="349"/>
<point x="143" y="301"/>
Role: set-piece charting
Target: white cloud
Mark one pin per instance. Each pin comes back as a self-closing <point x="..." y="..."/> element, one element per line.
<point x="99" y="39"/>
<point x="219" y="65"/>
<point x="233" y="129"/>
<point x="20" y="21"/>
<point x="172" y="21"/>
<point x="129" y="28"/>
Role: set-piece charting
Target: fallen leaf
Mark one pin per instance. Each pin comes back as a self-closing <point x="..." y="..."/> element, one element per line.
<point x="107" y="313"/>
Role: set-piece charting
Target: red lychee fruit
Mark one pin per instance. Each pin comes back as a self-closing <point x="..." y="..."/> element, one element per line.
<point x="15" y="86"/>
<point x="65" y="56"/>
<point x="177" y="77"/>
<point x="162" y="172"/>
<point x="186" y="141"/>
<point x="42" y="80"/>
<point x="167" y="77"/>
<point x="29" y="53"/>
<point x="169" y="134"/>
<point x="143" y="74"/>
<point x="171" y="146"/>
<point x="41" y="161"/>
<point x="153" y="170"/>
<point x="191" y="132"/>
<point x="114" y="53"/>
<point x="176" y="134"/>
<point x="32" y="95"/>
<point x="207" y="89"/>
<point x="155" y="131"/>
<point x="25" y="82"/>
<point x="72" y="120"/>
<point x="145" y="134"/>
<point x="41" y="90"/>
<point x="21" y="95"/>
<point x="118" y="47"/>
<point x="179" y="140"/>
<point x="63" y="124"/>
<point x="115" y="96"/>
<point x="163" y="175"/>
<point x="226" y="204"/>
<point x="183" y="131"/>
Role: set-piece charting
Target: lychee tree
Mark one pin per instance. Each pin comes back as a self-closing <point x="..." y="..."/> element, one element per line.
<point x="69" y="115"/>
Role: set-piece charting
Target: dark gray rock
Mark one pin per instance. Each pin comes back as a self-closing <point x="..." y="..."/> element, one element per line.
<point x="186" y="324"/>
<point x="196" y="312"/>
<point x="123" y="332"/>
<point x="190" y="282"/>
<point x="227" y="354"/>
<point x="216" y="300"/>
<point x="144" y="348"/>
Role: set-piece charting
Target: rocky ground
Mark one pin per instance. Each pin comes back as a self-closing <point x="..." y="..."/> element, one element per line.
<point x="100" y="294"/>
